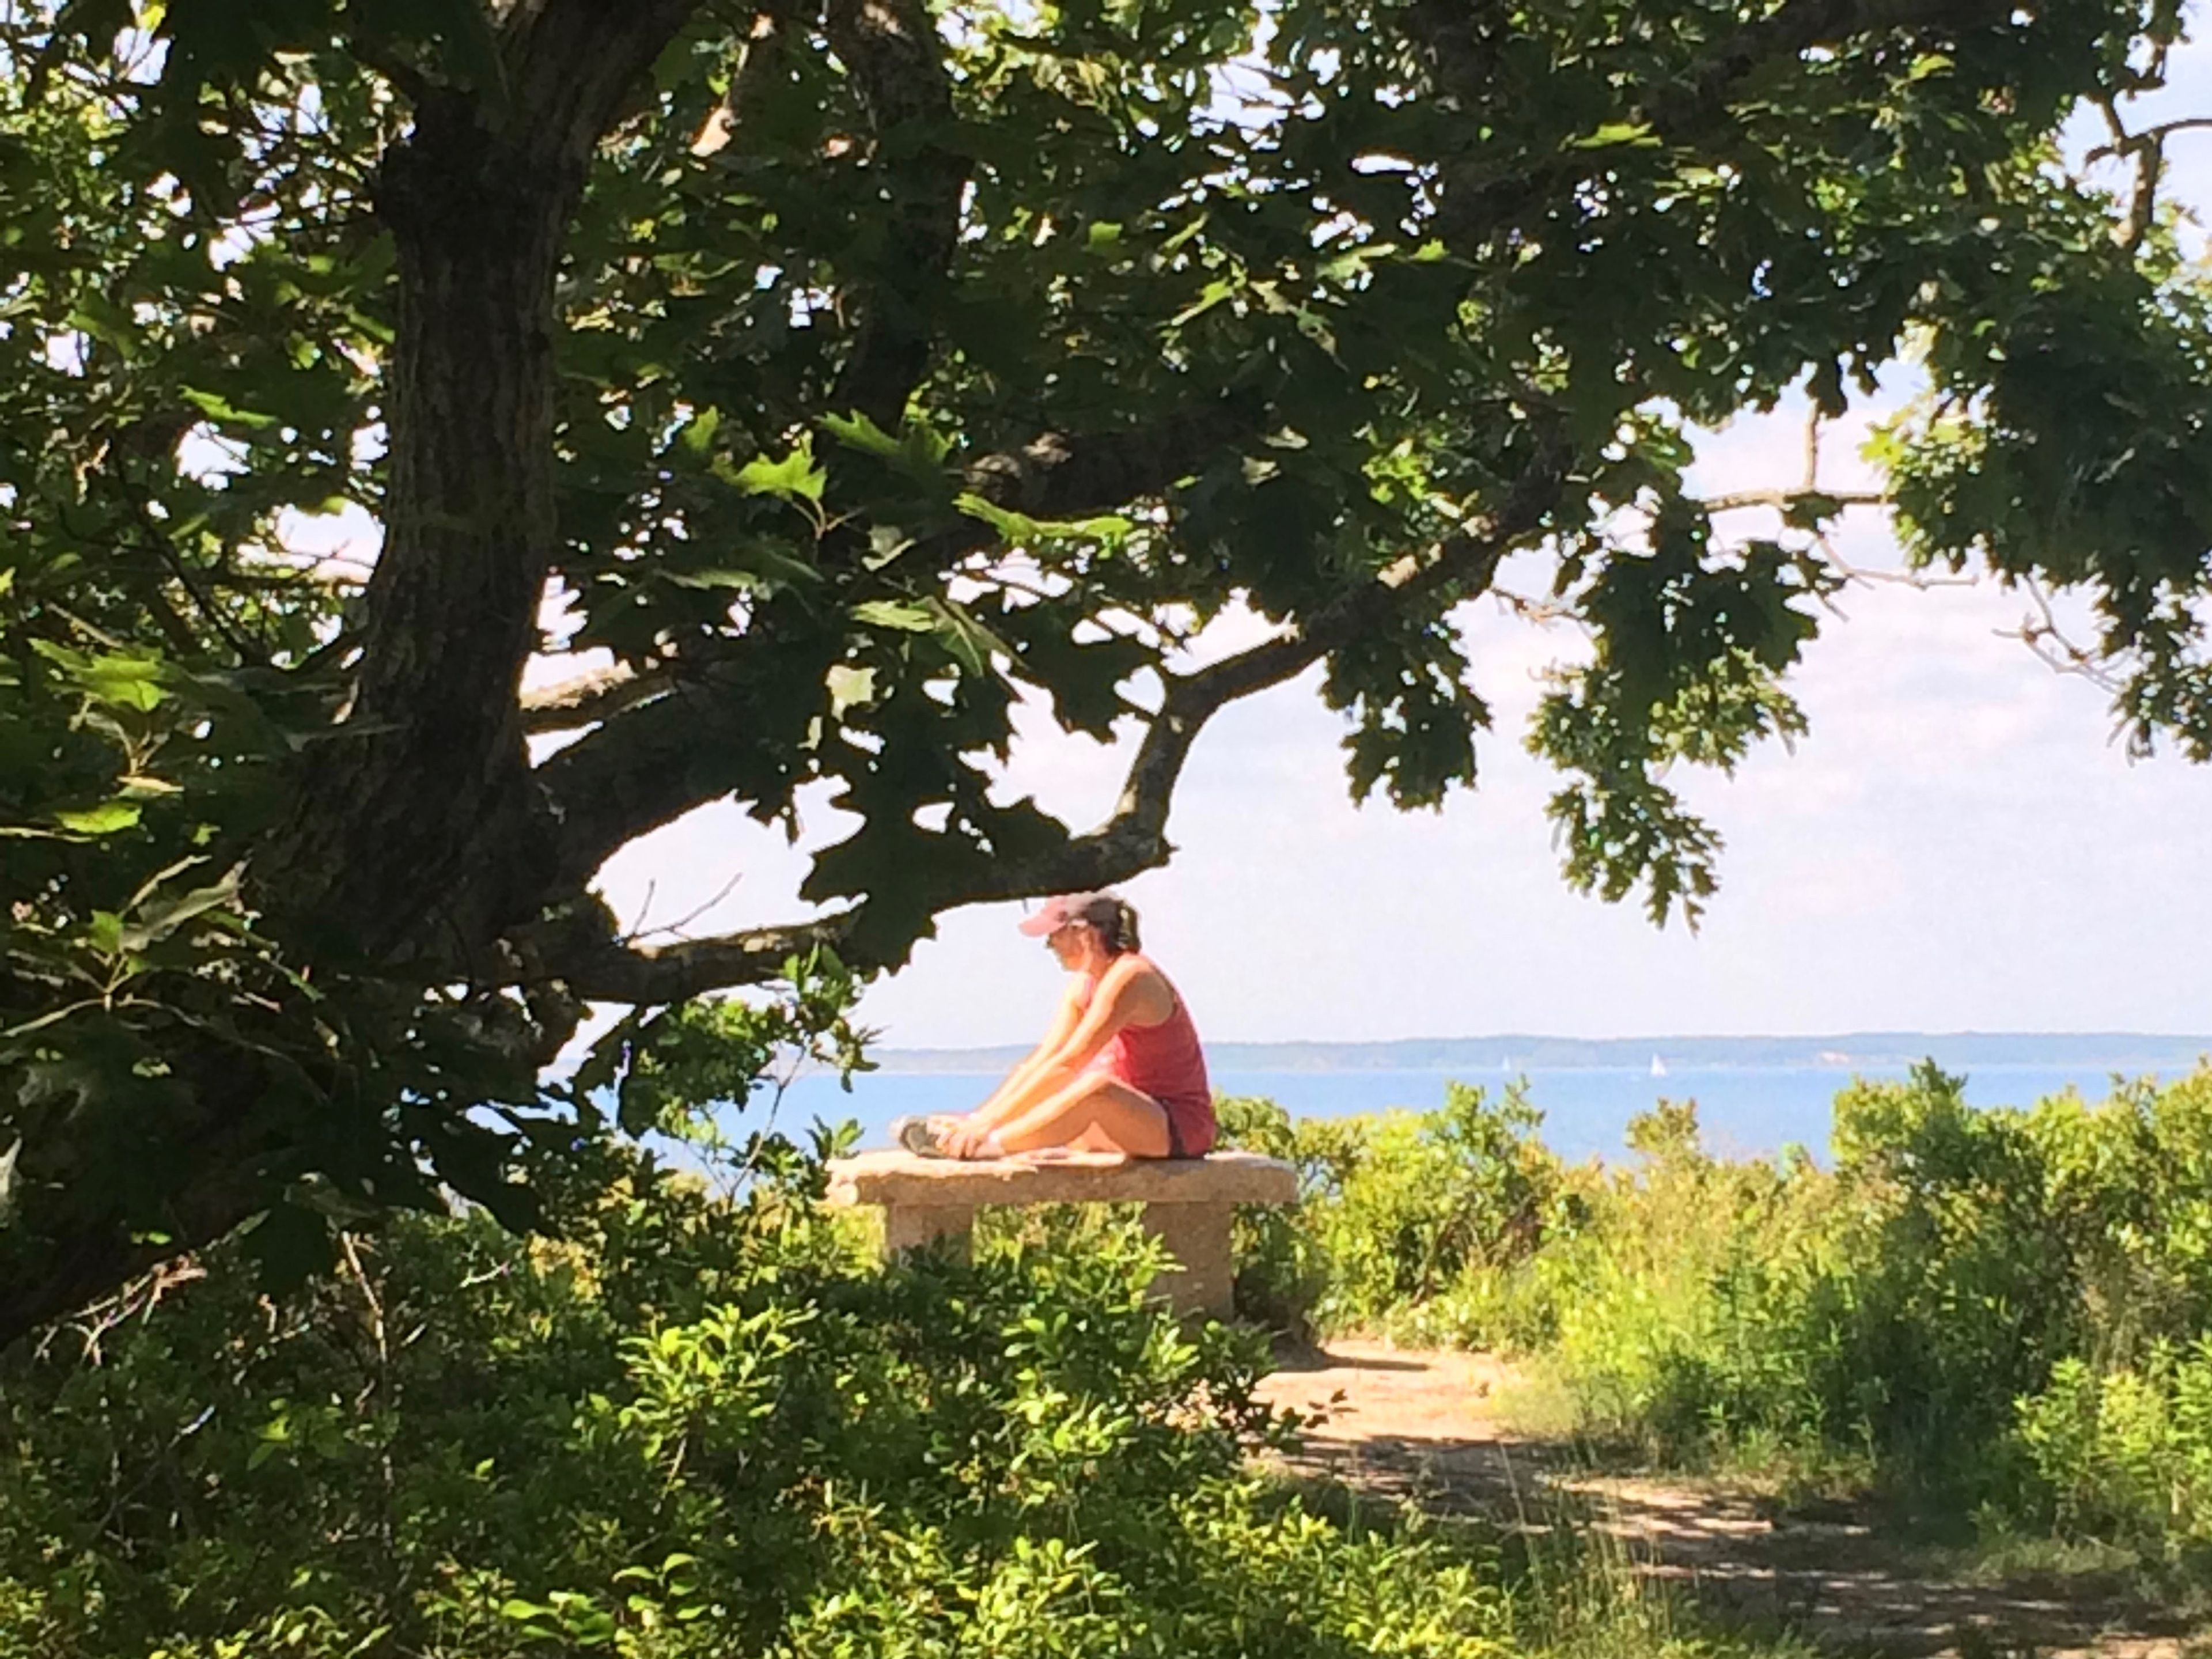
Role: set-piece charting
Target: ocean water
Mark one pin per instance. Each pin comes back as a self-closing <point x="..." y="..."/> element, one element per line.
<point x="1745" y="1111"/>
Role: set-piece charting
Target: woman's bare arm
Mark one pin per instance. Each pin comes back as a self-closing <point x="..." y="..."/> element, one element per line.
<point x="1057" y="1063"/>
<point x="1007" y="1098"/>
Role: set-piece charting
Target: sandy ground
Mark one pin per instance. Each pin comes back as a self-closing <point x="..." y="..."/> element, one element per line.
<point x="1418" y="1426"/>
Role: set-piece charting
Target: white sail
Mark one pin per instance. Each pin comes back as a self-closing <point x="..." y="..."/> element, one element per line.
<point x="1658" y="1066"/>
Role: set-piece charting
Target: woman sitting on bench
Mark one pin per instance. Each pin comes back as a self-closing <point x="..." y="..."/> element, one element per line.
<point x="1121" y="1070"/>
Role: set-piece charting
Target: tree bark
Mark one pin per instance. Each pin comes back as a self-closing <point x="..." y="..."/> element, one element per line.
<point x="420" y="833"/>
<point x="431" y="759"/>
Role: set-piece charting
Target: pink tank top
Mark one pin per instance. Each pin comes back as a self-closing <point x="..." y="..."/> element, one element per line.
<point x="1165" y="1063"/>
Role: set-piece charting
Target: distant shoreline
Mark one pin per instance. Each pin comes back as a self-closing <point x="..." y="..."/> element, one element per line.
<point x="2125" y="1052"/>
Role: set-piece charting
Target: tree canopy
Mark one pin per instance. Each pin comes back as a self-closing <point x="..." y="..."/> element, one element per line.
<point x="852" y="371"/>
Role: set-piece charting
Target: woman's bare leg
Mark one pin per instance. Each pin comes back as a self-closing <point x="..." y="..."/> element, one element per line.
<point x="1096" y="1112"/>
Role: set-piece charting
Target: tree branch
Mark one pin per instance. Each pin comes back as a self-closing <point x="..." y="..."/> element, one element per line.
<point x="590" y="698"/>
<point x="657" y="975"/>
<point x="1784" y="500"/>
<point x="1134" y="837"/>
<point x="1059" y="475"/>
<point x="663" y="756"/>
<point x="1457" y="568"/>
<point x="2147" y="148"/>
<point x="2125" y="142"/>
<point x="571" y="65"/>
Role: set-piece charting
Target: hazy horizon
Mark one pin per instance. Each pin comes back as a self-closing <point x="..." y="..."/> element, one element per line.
<point x="1627" y="1037"/>
<point x="1871" y="1046"/>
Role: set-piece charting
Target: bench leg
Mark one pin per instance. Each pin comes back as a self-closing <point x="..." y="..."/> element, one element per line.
<point x="911" y="1227"/>
<point x="1197" y="1237"/>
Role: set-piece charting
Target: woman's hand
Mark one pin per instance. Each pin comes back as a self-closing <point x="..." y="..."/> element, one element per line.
<point x="965" y="1136"/>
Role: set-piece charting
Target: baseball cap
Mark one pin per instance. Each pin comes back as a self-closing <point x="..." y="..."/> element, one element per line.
<point x="1063" y="908"/>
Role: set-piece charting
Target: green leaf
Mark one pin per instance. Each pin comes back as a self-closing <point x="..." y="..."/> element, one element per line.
<point x="972" y="644"/>
<point x="698" y="434"/>
<point x="1615" y="134"/>
<point x="119" y="681"/>
<point x="125" y="683"/>
<point x="749" y="565"/>
<point x="108" y="818"/>
<point x="917" y="452"/>
<point x="158" y="923"/>
<point x="795" y="477"/>
<point x="1216" y="292"/>
<point x="96" y="314"/>
<point x="856" y="431"/>
<point x="850" y="687"/>
<point x="895" y="613"/>
<point x="1020" y="530"/>
<point x="221" y="409"/>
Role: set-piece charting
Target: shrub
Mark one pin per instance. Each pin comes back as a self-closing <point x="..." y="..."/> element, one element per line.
<point x="2011" y="1305"/>
<point x="1397" y="1211"/>
<point x="1281" y="1274"/>
<point x="683" y="1427"/>
<point x="2126" y="1454"/>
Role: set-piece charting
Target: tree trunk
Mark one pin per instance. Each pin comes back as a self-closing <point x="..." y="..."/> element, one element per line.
<point x="418" y="836"/>
<point x="385" y="859"/>
<point x="388" y="860"/>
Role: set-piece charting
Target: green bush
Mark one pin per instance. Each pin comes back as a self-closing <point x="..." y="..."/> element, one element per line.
<point x="2009" y="1306"/>
<point x="2126" y="1454"/>
<point x="1281" y="1275"/>
<point x="683" y="1427"/>
<point x="1399" y="1212"/>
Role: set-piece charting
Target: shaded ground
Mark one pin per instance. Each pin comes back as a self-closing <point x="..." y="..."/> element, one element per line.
<point x="1420" y="1426"/>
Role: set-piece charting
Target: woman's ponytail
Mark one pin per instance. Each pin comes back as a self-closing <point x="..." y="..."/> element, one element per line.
<point x="1124" y="928"/>
<point x="1114" y="919"/>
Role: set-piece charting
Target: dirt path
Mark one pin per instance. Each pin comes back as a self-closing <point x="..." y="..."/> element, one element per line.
<point x="1420" y="1426"/>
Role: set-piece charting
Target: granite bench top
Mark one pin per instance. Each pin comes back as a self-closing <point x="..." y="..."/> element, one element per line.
<point x="901" y="1180"/>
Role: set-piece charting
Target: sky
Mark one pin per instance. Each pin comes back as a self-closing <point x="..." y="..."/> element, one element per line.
<point x="1959" y="844"/>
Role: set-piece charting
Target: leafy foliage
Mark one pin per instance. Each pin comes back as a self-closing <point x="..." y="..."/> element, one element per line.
<point x="2127" y="1454"/>
<point x="2009" y="1306"/>
<point x="1395" y="1210"/>
<point x="681" y="1426"/>
<point x="851" y="375"/>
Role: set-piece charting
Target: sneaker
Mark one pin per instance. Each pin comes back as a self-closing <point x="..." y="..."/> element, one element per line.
<point x="917" y="1135"/>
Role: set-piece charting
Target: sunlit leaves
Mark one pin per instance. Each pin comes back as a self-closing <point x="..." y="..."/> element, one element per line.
<point x="677" y="1071"/>
<point x="795" y="477"/>
<point x="1690" y="652"/>
<point x="2067" y="440"/>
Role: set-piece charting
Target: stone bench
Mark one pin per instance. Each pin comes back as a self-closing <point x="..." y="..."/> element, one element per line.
<point x="1187" y="1203"/>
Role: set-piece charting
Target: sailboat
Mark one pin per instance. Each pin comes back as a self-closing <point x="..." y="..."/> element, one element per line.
<point x="1658" y="1066"/>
